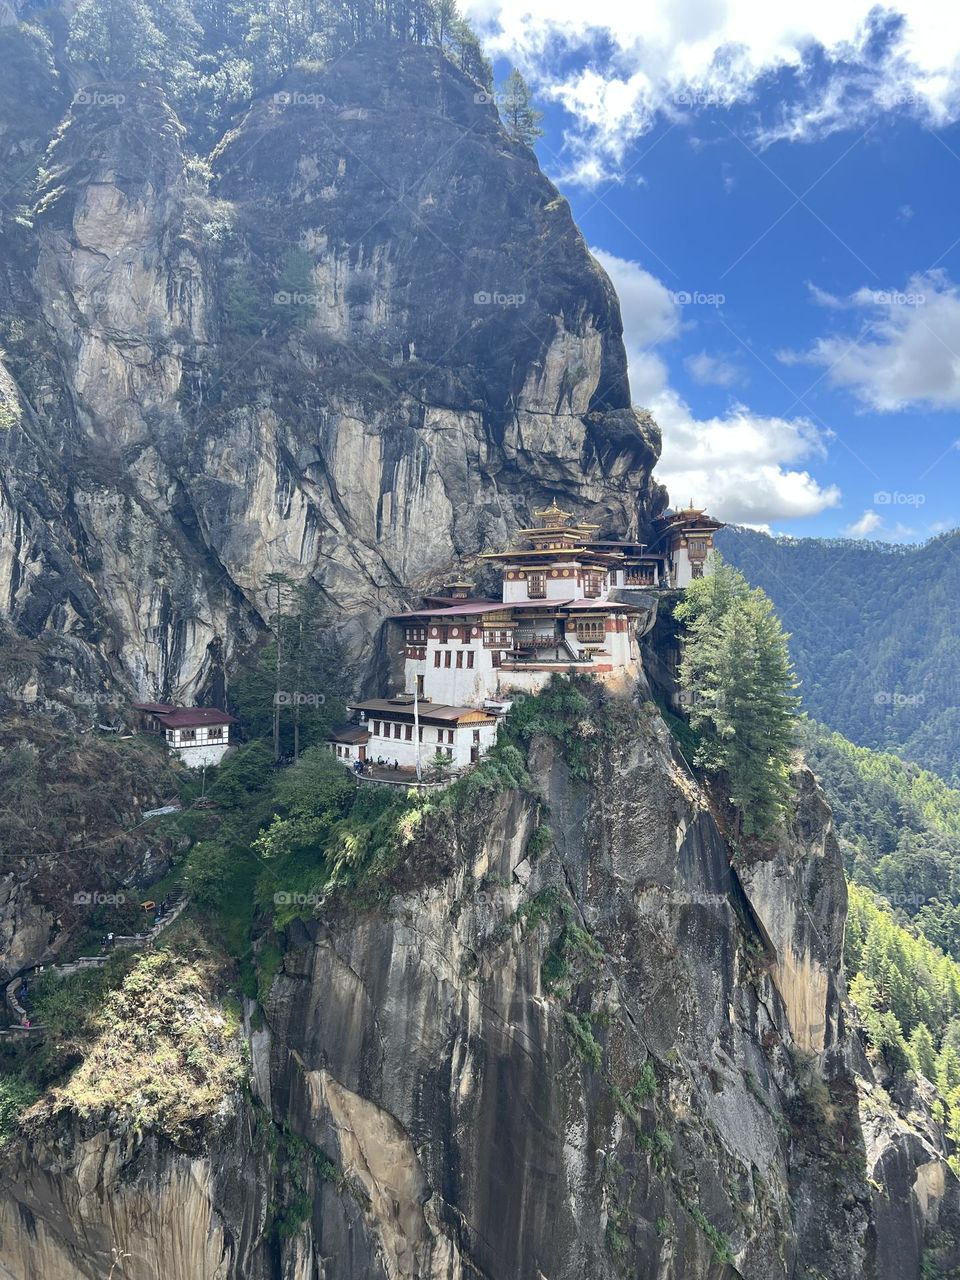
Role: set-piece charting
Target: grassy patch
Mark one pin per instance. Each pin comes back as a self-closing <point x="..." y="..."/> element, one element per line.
<point x="162" y="1050"/>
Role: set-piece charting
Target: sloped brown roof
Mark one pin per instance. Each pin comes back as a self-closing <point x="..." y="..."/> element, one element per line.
<point x="193" y="717"/>
<point x="349" y="733"/>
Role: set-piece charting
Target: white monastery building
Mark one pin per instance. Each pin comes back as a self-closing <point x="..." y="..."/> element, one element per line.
<point x="198" y="735"/>
<point x="564" y="607"/>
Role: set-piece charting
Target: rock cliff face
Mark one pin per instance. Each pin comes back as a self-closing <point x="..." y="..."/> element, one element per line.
<point x="369" y="343"/>
<point x="362" y="341"/>
<point x="617" y="1053"/>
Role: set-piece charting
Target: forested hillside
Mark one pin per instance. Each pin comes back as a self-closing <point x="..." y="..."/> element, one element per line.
<point x="874" y="636"/>
<point x="899" y="833"/>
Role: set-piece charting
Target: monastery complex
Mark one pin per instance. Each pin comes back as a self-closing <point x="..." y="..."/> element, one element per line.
<point x="564" y="607"/>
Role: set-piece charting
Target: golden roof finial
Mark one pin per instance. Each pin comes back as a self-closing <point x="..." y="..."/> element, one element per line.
<point x="553" y="515"/>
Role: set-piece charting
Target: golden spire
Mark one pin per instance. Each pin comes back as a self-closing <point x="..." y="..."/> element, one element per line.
<point x="552" y="515"/>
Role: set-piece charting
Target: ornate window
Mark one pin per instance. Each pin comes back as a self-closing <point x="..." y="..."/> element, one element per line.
<point x="590" y="630"/>
<point x="536" y="586"/>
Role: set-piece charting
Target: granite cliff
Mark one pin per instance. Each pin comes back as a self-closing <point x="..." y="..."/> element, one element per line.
<point x="618" y="1051"/>
<point x="361" y="342"/>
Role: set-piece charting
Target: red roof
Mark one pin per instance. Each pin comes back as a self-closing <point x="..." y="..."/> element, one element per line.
<point x="458" y="610"/>
<point x="156" y="708"/>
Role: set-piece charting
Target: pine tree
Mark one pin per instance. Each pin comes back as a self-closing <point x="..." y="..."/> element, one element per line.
<point x="737" y="681"/>
<point x="922" y="1052"/>
<point x="520" y="118"/>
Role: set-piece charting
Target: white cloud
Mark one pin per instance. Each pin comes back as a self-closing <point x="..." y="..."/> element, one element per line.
<point x="616" y="67"/>
<point x="747" y="468"/>
<point x="712" y="371"/>
<point x="868" y="523"/>
<point x="906" y="351"/>
<point x="873" y="526"/>
<point x="653" y="310"/>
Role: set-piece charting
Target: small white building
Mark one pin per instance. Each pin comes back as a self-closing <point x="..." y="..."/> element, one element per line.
<point x="349" y="743"/>
<point x="403" y="730"/>
<point x="198" y="735"/>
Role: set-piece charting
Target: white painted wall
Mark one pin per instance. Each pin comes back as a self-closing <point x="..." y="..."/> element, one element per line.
<point x="468" y="687"/>
<point x="390" y="748"/>
<point x="195" y="757"/>
<point x="453" y="686"/>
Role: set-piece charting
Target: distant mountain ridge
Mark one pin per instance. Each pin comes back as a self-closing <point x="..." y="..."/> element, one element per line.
<point x="874" y="635"/>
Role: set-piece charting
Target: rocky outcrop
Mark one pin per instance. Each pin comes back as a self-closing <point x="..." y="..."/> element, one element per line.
<point x="132" y="1204"/>
<point x="372" y="345"/>
<point x="619" y="1051"/>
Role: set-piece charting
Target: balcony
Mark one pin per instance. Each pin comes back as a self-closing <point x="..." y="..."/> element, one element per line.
<point x="533" y="640"/>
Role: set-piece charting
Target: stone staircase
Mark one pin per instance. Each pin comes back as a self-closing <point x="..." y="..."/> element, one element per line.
<point x="177" y="904"/>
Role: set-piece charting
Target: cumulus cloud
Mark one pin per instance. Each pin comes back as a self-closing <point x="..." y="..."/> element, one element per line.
<point x="712" y="371"/>
<point x="616" y="68"/>
<point x="746" y="467"/>
<point x="868" y="523"/>
<point x="904" y="351"/>
<point x="872" y="525"/>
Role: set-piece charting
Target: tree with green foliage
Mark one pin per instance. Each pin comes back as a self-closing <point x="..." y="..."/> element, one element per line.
<point x="311" y="797"/>
<point x="440" y="763"/>
<point x="922" y="1051"/>
<point x="293" y="690"/>
<point x="118" y="38"/>
<point x="738" y="684"/>
<point x="519" y="116"/>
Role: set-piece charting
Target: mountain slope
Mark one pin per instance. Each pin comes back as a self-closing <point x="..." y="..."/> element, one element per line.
<point x="874" y="636"/>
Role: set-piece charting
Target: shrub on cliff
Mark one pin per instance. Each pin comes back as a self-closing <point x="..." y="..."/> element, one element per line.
<point x="163" y="1049"/>
<point x="737" y="680"/>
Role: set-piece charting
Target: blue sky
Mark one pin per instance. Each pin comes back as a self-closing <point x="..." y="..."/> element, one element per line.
<point x="779" y="212"/>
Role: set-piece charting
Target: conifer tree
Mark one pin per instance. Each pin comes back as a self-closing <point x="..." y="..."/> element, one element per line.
<point x="520" y="118"/>
<point x="922" y="1053"/>
<point x="737" y="681"/>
